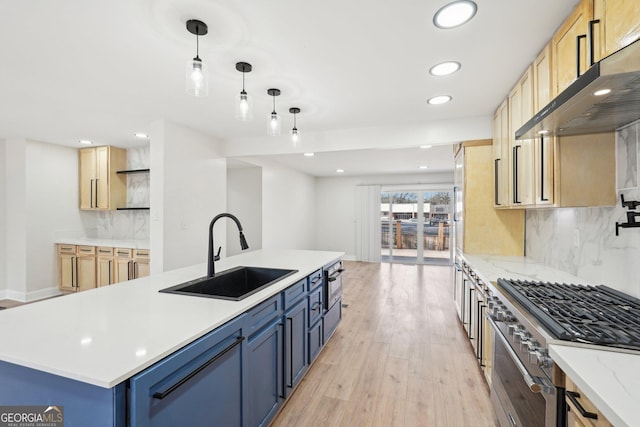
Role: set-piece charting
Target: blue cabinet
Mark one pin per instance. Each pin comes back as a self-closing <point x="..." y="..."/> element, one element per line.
<point x="199" y="385"/>
<point x="331" y="319"/>
<point x="295" y="345"/>
<point x="264" y="382"/>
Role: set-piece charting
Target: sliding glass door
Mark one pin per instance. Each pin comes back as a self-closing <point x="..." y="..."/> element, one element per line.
<point x="415" y="226"/>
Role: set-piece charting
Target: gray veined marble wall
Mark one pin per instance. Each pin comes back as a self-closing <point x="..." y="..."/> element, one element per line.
<point x="134" y="224"/>
<point x="582" y="241"/>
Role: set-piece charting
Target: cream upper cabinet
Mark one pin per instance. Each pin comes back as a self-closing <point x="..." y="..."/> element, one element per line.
<point x="500" y="151"/>
<point x="481" y="229"/>
<point x="618" y="26"/>
<point x="101" y="188"/>
<point x="564" y="45"/>
<point x="544" y="146"/>
<point x="522" y="151"/>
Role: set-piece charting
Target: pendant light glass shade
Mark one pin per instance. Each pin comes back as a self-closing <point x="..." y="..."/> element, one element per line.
<point x="197" y="78"/>
<point x="273" y="124"/>
<point x="295" y="133"/>
<point x="197" y="73"/>
<point x="273" y="127"/>
<point x="244" y="105"/>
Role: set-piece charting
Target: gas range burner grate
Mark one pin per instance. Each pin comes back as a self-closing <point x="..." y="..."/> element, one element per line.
<point x="589" y="314"/>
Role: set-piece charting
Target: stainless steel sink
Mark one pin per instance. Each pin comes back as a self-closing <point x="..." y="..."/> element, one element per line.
<point x="233" y="284"/>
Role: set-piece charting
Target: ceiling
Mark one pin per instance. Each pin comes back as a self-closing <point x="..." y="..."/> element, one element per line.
<point x="102" y="70"/>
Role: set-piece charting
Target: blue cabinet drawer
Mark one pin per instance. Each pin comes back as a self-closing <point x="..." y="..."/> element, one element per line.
<point x="316" y="298"/>
<point x="331" y="319"/>
<point x="316" y="340"/>
<point x="186" y="388"/>
<point x="263" y="313"/>
<point x="314" y="279"/>
<point x="295" y="293"/>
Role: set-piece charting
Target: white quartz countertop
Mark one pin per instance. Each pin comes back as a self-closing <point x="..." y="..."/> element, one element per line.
<point x="116" y="243"/>
<point x="104" y="336"/>
<point x="609" y="379"/>
<point x="491" y="267"/>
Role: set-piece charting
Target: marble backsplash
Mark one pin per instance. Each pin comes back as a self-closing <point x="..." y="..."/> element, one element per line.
<point x="130" y="224"/>
<point x="582" y="241"/>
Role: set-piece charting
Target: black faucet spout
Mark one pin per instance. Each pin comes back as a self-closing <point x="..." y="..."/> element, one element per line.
<point x="212" y="257"/>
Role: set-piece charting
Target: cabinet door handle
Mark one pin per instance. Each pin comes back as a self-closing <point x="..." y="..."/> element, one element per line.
<point x="72" y="277"/>
<point x="578" y="39"/>
<point x="91" y="195"/>
<point x="316" y="306"/>
<point x="495" y="182"/>
<point x="129" y="269"/>
<point x="516" y="196"/>
<point x="110" y="271"/>
<point x="290" y="340"/>
<point x="162" y="394"/>
<point x="97" y="192"/>
<point x="280" y="362"/>
<point x="573" y="397"/>
<point x="542" y="198"/>
<point x="135" y="269"/>
<point x="77" y="278"/>
<point x="592" y="53"/>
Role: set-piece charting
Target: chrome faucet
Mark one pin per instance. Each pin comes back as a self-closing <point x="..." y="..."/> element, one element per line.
<point x="212" y="258"/>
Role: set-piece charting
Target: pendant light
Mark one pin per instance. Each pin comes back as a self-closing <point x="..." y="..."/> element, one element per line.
<point x="243" y="101"/>
<point x="295" y="134"/>
<point x="273" y="127"/>
<point x="197" y="78"/>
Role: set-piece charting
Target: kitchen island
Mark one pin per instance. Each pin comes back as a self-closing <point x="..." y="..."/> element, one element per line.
<point x="94" y="342"/>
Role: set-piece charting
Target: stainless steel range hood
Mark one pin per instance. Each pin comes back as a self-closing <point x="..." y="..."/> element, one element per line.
<point x="577" y="111"/>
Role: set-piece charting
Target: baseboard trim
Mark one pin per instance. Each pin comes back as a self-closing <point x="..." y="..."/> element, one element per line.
<point x="30" y="296"/>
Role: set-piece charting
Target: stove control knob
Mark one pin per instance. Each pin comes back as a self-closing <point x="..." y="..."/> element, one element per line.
<point x="512" y="328"/>
<point x="524" y="344"/>
<point x="543" y="360"/>
<point x="520" y="335"/>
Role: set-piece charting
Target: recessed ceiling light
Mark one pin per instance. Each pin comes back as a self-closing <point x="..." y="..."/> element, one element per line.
<point x="602" y="92"/>
<point x="441" y="99"/>
<point x="444" y="68"/>
<point x="85" y="142"/>
<point x="339" y="170"/>
<point x="309" y="154"/>
<point x="454" y="14"/>
<point x="141" y="135"/>
<point x="423" y="167"/>
<point x="426" y="146"/>
<point x="543" y="132"/>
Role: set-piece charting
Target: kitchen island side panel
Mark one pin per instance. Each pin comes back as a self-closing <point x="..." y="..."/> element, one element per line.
<point x="82" y="404"/>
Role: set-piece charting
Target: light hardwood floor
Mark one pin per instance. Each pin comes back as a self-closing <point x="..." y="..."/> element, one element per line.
<point x="398" y="358"/>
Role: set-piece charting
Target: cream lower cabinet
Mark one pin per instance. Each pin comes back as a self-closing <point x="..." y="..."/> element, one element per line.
<point x="106" y="266"/>
<point x="86" y="267"/>
<point x="77" y="267"/>
<point x="140" y="263"/>
<point x="581" y="412"/>
<point x="123" y="264"/>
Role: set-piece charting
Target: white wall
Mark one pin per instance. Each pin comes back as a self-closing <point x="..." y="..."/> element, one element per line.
<point x="51" y="189"/>
<point x="3" y="222"/>
<point x="16" y="231"/>
<point x="336" y="206"/>
<point x="244" y="200"/>
<point x="288" y="206"/>
<point x="188" y="188"/>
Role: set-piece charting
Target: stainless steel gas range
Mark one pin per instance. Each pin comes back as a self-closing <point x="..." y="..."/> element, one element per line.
<point x="526" y="317"/>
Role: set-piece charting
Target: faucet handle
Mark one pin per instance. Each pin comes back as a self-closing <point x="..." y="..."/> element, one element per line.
<point x="217" y="257"/>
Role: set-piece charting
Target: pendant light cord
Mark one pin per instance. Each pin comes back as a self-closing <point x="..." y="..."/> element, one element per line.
<point x="197" y="43"/>
<point x="243" y="78"/>
<point x="274" y="103"/>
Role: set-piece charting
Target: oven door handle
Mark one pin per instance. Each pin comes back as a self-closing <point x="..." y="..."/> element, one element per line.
<point x="526" y="376"/>
<point x="334" y="276"/>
